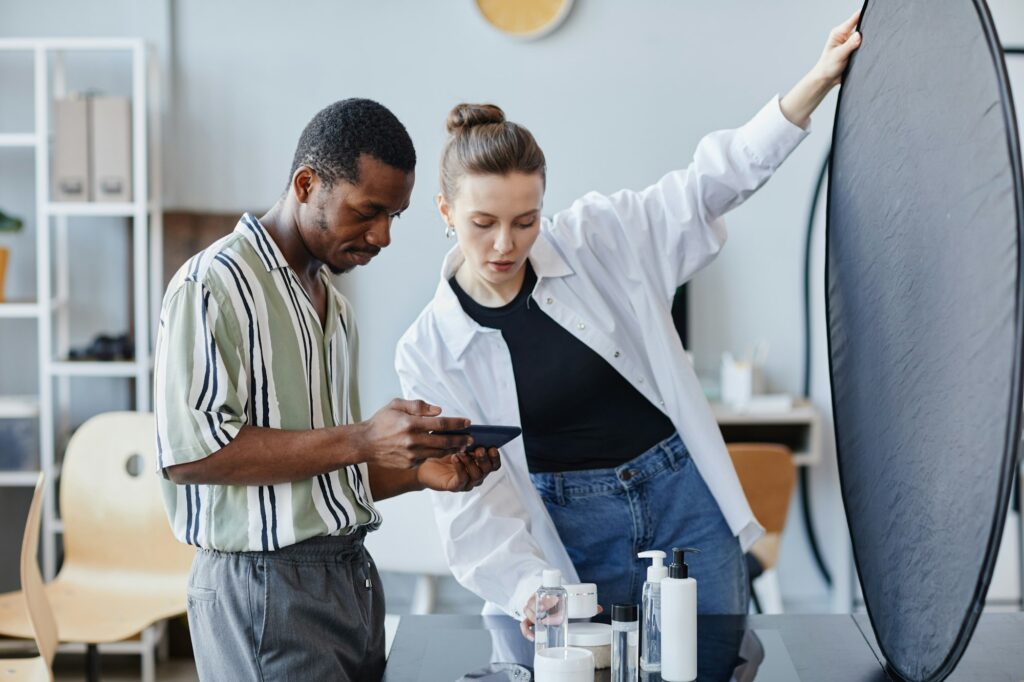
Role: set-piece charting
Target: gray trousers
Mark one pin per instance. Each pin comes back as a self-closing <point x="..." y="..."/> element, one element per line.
<point x="312" y="611"/>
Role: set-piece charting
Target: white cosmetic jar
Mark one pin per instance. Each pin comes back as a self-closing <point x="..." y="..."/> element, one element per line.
<point x="595" y="638"/>
<point x="582" y="600"/>
<point x="563" y="664"/>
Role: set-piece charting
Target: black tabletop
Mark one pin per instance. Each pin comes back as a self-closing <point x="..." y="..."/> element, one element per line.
<point x="754" y="648"/>
<point x="996" y="651"/>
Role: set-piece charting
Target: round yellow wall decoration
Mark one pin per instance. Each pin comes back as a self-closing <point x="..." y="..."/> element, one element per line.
<point x="525" y="19"/>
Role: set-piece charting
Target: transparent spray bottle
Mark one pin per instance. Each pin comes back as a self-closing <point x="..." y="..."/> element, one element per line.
<point x="650" y="634"/>
<point x="551" y="628"/>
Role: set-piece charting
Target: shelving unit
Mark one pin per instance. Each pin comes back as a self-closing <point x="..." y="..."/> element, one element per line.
<point x="51" y="406"/>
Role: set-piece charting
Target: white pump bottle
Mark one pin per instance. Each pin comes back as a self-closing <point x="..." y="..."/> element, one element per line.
<point x="679" y="621"/>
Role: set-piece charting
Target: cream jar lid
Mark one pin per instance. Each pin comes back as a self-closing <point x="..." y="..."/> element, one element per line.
<point x="582" y="600"/>
<point x="590" y="634"/>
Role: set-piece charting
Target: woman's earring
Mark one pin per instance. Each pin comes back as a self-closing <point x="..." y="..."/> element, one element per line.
<point x="449" y="231"/>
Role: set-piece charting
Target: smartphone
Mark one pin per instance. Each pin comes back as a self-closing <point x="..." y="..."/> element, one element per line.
<point x="486" y="436"/>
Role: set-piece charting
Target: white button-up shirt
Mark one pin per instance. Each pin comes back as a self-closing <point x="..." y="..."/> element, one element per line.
<point x="607" y="269"/>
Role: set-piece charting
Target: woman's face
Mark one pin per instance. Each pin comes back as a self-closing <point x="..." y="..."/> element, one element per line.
<point x="497" y="220"/>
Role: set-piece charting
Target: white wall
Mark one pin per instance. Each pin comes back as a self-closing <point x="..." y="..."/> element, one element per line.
<point x="617" y="96"/>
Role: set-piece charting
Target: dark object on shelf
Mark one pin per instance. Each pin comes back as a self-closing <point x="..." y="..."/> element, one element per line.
<point x="106" y="348"/>
<point x="924" y="315"/>
<point x="19" y="444"/>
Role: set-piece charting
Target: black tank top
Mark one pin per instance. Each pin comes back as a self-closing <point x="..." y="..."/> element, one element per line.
<point x="577" y="411"/>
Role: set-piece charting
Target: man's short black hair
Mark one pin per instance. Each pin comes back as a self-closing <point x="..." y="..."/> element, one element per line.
<point x="332" y="141"/>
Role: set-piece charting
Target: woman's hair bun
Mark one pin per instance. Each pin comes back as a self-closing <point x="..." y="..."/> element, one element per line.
<point x="464" y="116"/>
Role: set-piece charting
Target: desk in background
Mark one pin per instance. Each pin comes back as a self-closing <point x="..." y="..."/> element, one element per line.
<point x="798" y="428"/>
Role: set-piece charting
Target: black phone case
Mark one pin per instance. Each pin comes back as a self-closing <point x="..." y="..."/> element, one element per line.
<point x="487" y="436"/>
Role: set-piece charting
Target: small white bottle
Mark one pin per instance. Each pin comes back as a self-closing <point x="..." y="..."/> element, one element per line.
<point x="679" y="621"/>
<point x="650" y="635"/>
<point x="551" y="629"/>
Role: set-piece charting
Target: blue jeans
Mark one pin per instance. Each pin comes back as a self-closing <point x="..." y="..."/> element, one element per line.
<point x="657" y="501"/>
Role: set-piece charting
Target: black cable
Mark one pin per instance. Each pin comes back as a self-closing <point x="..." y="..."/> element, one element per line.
<point x="805" y="479"/>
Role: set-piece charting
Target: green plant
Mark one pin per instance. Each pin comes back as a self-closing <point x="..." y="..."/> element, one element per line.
<point x="9" y="223"/>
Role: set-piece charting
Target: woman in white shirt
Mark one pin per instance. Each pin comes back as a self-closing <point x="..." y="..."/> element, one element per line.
<point x="563" y="325"/>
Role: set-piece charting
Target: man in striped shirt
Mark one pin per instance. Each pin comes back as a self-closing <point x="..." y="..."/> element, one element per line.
<point x="267" y="469"/>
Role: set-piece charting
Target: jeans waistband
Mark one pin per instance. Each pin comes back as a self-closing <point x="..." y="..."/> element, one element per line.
<point x="666" y="455"/>
<point x="320" y="549"/>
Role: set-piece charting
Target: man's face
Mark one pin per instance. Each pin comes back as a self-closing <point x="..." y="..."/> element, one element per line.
<point x="348" y="224"/>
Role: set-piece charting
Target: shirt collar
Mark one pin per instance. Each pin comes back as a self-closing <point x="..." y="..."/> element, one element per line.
<point x="261" y="241"/>
<point x="456" y="327"/>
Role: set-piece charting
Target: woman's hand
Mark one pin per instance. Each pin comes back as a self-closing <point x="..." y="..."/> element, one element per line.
<point x="841" y="43"/>
<point x="458" y="473"/>
<point x="804" y="98"/>
<point x="530" y="616"/>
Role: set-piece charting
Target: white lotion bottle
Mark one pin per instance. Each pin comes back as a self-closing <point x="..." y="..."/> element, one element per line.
<point x="650" y="633"/>
<point x="679" y="621"/>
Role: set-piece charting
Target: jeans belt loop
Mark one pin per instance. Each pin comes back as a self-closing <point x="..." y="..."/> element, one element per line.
<point x="673" y="457"/>
<point x="560" y="489"/>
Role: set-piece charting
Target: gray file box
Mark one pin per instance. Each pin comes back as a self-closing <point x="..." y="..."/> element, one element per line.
<point x="111" y="124"/>
<point x="71" y="181"/>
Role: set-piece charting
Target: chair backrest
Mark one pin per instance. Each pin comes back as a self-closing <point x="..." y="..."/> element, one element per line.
<point x="44" y="625"/>
<point x="768" y="476"/>
<point x="111" y="501"/>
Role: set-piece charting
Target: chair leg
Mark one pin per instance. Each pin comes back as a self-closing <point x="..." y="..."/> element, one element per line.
<point x="92" y="663"/>
<point x="755" y="602"/>
<point x="424" y="599"/>
<point x="149" y="646"/>
<point x="769" y="592"/>
<point x="163" y="649"/>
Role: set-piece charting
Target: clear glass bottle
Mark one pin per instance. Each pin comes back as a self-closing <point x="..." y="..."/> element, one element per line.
<point x="551" y="628"/>
<point x="625" y="642"/>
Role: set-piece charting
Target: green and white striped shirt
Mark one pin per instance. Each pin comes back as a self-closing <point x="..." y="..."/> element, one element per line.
<point x="241" y="343"/>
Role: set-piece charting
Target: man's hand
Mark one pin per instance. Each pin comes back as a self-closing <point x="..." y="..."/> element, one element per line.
<point x="458" y="473"/>
<point x="400" y="435"/>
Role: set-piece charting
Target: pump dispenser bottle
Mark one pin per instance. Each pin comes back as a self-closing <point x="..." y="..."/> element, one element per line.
<point x="551" y="629"/>
<point x="650" y="634"/>
<point x="679" y="620"/>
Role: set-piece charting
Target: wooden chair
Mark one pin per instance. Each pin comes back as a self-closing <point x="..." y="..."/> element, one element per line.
<point x="768" y="476"/>
<point x="123" y="571"/>
<point x="37" y="607"/>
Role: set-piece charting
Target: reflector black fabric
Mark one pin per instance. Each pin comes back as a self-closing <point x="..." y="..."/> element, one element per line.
<point x="923" y="296"/>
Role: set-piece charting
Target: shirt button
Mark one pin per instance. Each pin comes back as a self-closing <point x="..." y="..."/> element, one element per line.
<point x="582" y="326"/>
<point x="550" y="300"/>
<point x="641" y="380"/>
<point x="617" y="353"/>
<point x="662" y="403"/>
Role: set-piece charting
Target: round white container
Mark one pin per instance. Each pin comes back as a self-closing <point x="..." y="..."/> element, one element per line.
<point x="563" y="664"/>
<point x="582" y="600"/>
<point x="595" y="638"/>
